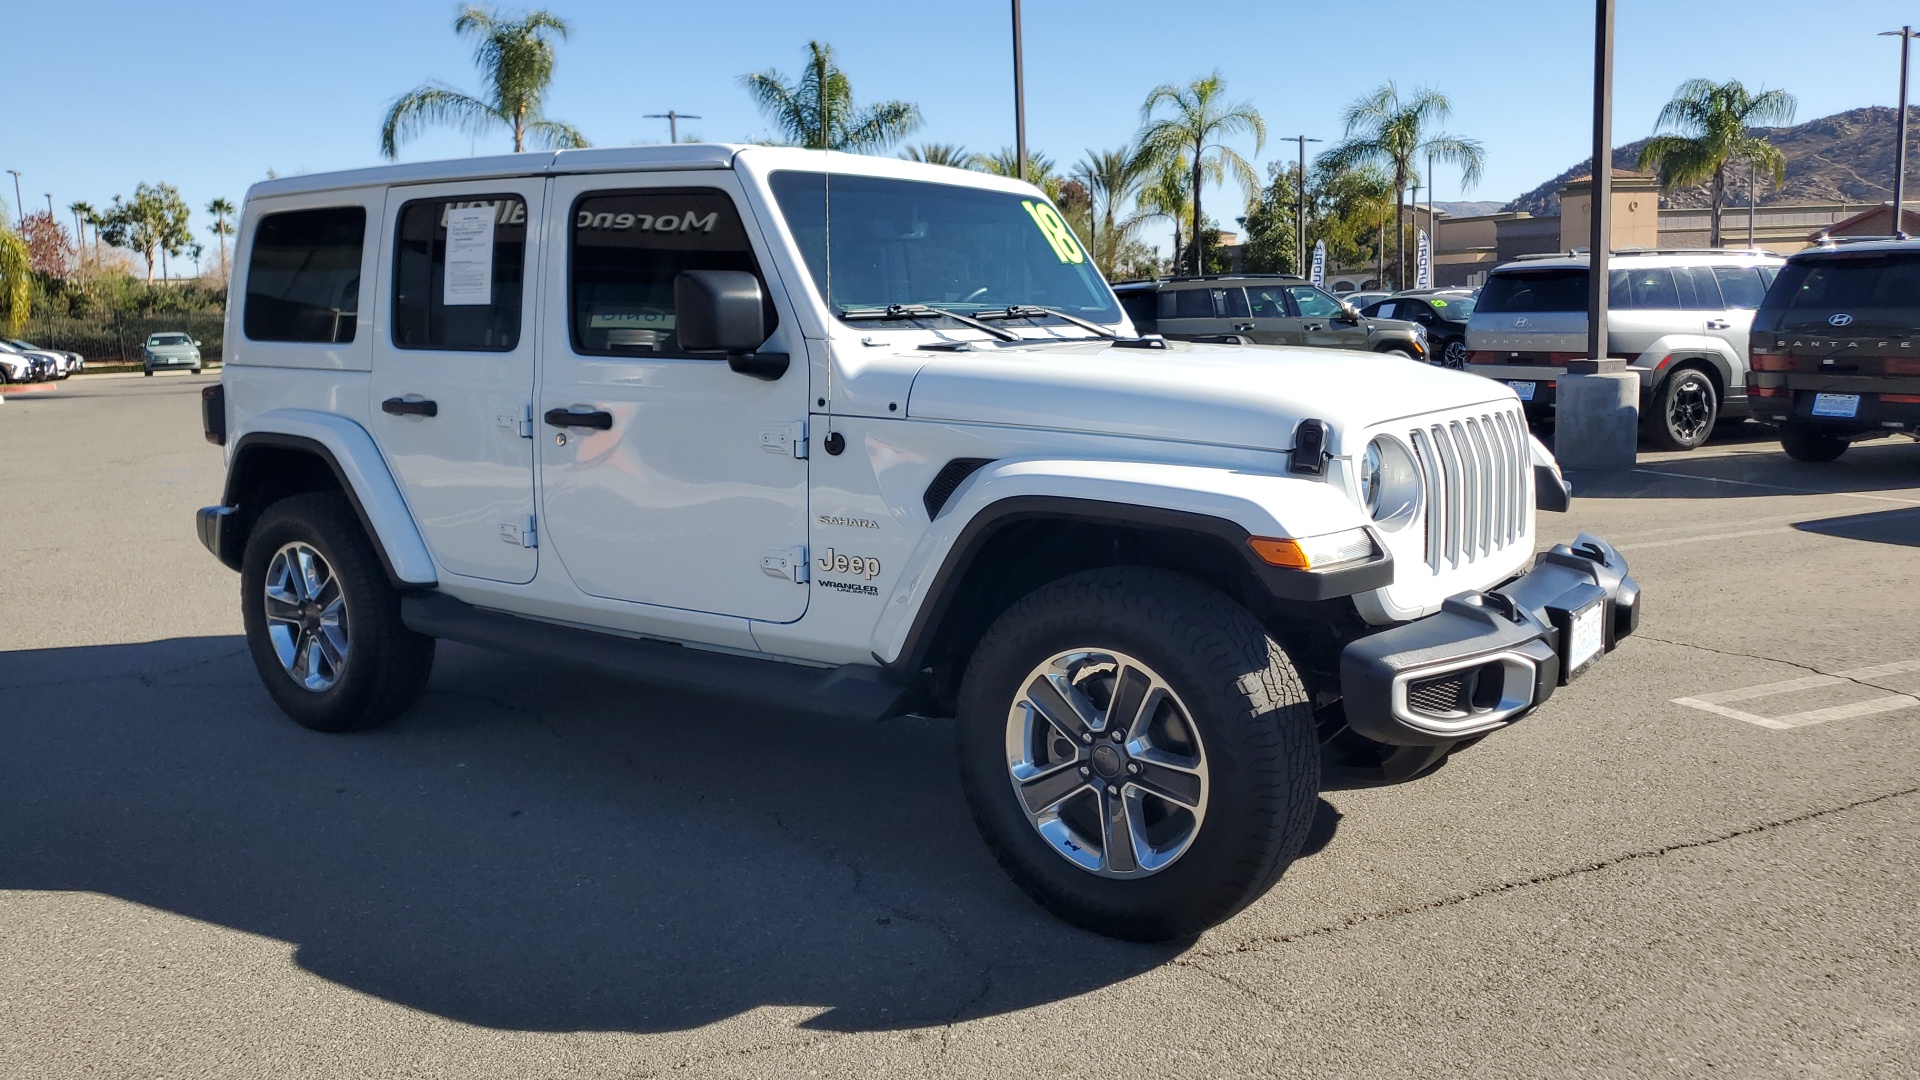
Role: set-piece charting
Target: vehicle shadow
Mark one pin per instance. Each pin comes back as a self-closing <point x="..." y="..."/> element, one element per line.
<point x="1901" y="527"/>
<point x="533" y="848"/>
<point x="1743" y="472"/>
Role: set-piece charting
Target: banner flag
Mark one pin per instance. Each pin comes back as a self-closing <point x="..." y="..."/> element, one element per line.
<point x="1319" y="263"/>
<point x="1423" y="277"/>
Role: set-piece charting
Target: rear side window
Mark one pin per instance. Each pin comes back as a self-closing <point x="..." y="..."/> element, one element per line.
<point x="1267" y="303"/>
<point x="1647" y="287"/>
<point x="1530" y="291"/>
<point x="1742" y="286"/>
<point x="1186" y="304"/>
<point x="1706" y="291"/>
<point x="628" y="246"/>
<point x="303" y="279"/>
<point x="458" y="265"/>
<point x="1140" y="307"/>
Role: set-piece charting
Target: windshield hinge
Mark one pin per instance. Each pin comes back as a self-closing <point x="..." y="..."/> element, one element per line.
<point x="787" y="440"/>
<point x="520" y="533"/>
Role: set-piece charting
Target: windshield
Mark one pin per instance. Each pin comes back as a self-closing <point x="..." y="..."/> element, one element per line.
<point x="167" y="339"/>
<point x="1881" y="290"/>
<point x="912" y="242"/>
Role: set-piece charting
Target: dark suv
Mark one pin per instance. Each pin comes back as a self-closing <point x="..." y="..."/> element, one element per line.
<point x="1836" y="347"/>
<point x="1262" y="309"/>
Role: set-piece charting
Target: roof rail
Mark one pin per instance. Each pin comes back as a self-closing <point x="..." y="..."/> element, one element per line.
<point x="1835" y="241"/>
<point x="1577" y="253"/>
<point x="1222" y="277"/>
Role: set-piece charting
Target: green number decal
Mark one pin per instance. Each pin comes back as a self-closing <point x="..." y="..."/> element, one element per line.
<point x="1059" y="237"/>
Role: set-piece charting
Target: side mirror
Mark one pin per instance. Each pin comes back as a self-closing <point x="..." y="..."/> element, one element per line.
<point x="1347" y="314"/>
<point x="195" y="342"/>
<point x="724" y="311"/>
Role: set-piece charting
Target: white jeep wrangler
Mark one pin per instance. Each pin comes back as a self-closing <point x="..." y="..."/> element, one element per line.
<point x="861" y="436"/>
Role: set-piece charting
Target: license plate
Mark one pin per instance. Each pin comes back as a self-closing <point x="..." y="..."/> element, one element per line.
<point x="1836" y="404"/>
<point x="1525" y="390"/>
<point x="1584" y="636"/>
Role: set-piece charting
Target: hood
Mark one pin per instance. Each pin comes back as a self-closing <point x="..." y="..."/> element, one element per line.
<point x="1227" y="395"/>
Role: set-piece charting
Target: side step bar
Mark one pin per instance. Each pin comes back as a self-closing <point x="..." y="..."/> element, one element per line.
<point x="854" y="691"/>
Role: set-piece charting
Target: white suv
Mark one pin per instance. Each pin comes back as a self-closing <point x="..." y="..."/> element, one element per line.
<point x="1679" y="318"/>
<point x="849" y="435"/>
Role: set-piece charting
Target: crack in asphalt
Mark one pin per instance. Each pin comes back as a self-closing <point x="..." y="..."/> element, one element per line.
<point x="1195" y="960"/>
<point x="1772" y="659"/>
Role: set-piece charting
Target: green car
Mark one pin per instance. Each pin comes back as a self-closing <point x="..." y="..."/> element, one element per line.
<point x="170" y="351"/>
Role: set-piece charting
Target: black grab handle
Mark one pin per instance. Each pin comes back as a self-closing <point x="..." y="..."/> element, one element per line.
<point x="403" y="407"/>
<point x="568" y="418"/>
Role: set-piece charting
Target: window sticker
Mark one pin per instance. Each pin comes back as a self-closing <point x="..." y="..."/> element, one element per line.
<point x="469" y="273"/>
<point x="1438" y="303"/>
<point x="1059" y="237"/>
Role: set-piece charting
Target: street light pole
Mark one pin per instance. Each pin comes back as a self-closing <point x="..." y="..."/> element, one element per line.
<point x="19" y="208"/>
<point x="1906" y="35"/>
<point x="1019" y="97"/>
<point x="1600" y="221"/>
<point x="1300" y="206"/>
<point x="673" y="122"/>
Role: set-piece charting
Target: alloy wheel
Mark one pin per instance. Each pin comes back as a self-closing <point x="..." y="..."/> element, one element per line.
<point x="1107" y="763"/>
<point x="306" y="616"/>
<point x="1690" y="409"/>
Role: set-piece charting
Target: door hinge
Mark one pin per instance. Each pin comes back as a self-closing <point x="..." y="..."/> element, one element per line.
<point x="520" y="533"/>
<point x="789" y="563"/>
<point x="521" y="425"/>
<point x="785" y="439"/>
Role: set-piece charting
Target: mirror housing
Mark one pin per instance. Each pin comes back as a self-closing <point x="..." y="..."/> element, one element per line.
<point x="1348" y="314"/>
<point x="724" y="311"/>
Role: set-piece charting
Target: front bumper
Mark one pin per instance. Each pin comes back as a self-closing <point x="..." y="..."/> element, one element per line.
<point x="211" y="523"/>
<point x="170" y="362"/>
<point x="1486" y="660"/>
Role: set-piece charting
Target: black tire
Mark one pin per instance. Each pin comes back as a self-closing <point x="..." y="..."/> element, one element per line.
<point x="1807" y="444"/>
<point x="386" y="665"/>
<point x="1250" y="713"/>
<point x="148" y="372"/>
<point x="1454" y="355"/>
<point x="1683" y="411"/>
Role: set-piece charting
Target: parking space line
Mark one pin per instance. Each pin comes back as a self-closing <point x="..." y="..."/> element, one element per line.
<point x="1703" y="539"/>
<point x="1717" y="701"/>
<point x="1776" y="487"/>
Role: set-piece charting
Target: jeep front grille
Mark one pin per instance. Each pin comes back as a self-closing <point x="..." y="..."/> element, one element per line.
<point x="1479" y="486"/>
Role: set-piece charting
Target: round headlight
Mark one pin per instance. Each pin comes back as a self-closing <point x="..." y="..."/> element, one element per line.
<point x="1389" y="481"/>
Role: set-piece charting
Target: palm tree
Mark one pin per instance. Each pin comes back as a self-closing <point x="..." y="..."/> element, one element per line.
<point x="83" y="215"/>
<point x="1201" y="118"/>
<point x="1384" y="130"/>
<point x="817" y="110"/>
<point x="1114" y="178"/>
<point x="933" y="153"/>
<point x="1166" y="195"/>
<point x="516" y="59"/>
<point x="1711" y="126"/>
<point x="1006" y="162"/>
<point x="221" y="210"/>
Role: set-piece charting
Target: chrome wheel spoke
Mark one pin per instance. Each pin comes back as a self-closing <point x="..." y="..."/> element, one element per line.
<point x="1173" y="785"/>
<point x="306" y="617"/>
<point x="1048" y="790"/>
<point x="282" y="610"/>
<point x="1131" y="705"/>
<point x="332" y="643"/>
<point x="1062" y="705"/>
<point x="1117" y="835"/>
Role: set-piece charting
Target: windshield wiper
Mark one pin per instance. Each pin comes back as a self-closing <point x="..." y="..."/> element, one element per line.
<point x="1030" y="311"/>
<point x="922" y="311"/>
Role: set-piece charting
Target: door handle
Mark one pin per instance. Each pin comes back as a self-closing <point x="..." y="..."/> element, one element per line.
<point x="599" y="421"/>
<point x="1243" y="326"/>
<point x="1719" y="324"/>
<point x="1314" y="326"/>
<point x="405" y="407"/>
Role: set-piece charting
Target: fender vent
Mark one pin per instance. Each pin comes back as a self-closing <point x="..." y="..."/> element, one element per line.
<point x="950" y="477"/>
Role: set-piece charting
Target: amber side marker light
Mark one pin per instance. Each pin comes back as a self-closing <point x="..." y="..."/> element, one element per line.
<point x="1316" y="552"/>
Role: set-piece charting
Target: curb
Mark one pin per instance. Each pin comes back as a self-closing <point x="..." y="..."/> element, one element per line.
<point x="12" y="389"/>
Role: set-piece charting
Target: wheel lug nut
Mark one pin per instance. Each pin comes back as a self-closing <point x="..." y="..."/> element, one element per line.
<point x="1086" y="736"/>
<point x="1085" y="771"/>
<point x="1133" y="766"/>
<point x="1111" y="790"/>
<point x="1119" y="736"/>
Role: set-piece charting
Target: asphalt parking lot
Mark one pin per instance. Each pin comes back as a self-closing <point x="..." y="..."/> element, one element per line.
<point x="1703" y="859"/>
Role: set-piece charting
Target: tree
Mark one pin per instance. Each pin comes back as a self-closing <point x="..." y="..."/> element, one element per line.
<point x="1200" y="119"/>
<point x="1167" y="196"/>
<point x="1041" y="172"/>
<point x="16" y="283"/>
<point x="950" y="154"/>
<point x="1347" y="208"/>
<point x="1114" y="179"/>
<point x="1394" y="134"/>
<point x="1271" y="222"/>
<point x="49" y="249"/>
<point x="221" y="209"/>
<point x="817" y="109"/>
<point x="515" y="58"/>
<point x="83" y="215"/>
<point x="153" y="223"/>
<point x="1710" y="124"/>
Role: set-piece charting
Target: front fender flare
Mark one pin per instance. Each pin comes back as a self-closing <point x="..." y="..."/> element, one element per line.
<point x="1229" y="503"/>
<point x="355" y="460"/>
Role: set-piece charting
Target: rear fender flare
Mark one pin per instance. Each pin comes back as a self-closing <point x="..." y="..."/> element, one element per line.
<point x="1229" y="503"/>
<point x="349" y="451"/>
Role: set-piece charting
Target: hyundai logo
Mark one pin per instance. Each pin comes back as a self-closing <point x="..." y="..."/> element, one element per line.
<point x="1521" y="324"/>
<point x="1841" y="319"/>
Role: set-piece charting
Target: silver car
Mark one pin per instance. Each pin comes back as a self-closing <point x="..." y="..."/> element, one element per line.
<point x="1679" y="319"/>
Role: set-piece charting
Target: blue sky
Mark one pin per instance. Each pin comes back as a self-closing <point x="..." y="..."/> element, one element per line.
<point x="210" y="94"/>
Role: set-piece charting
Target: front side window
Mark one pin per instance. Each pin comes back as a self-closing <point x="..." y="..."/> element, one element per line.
<point x="628" y="246"/>
<point x="457" y="271"/>
<point x="873" y="242"/>
<point x="303" y="279"/>
<point x="1742" y="286"/>
<point x="1312" y="303"/>
<point x="1266" y="302"/>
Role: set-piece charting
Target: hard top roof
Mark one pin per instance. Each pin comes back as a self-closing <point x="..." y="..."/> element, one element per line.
<point x="1877" y="245"/>
<point x="1626" y="258"/>
<point x="665" y="156"/>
